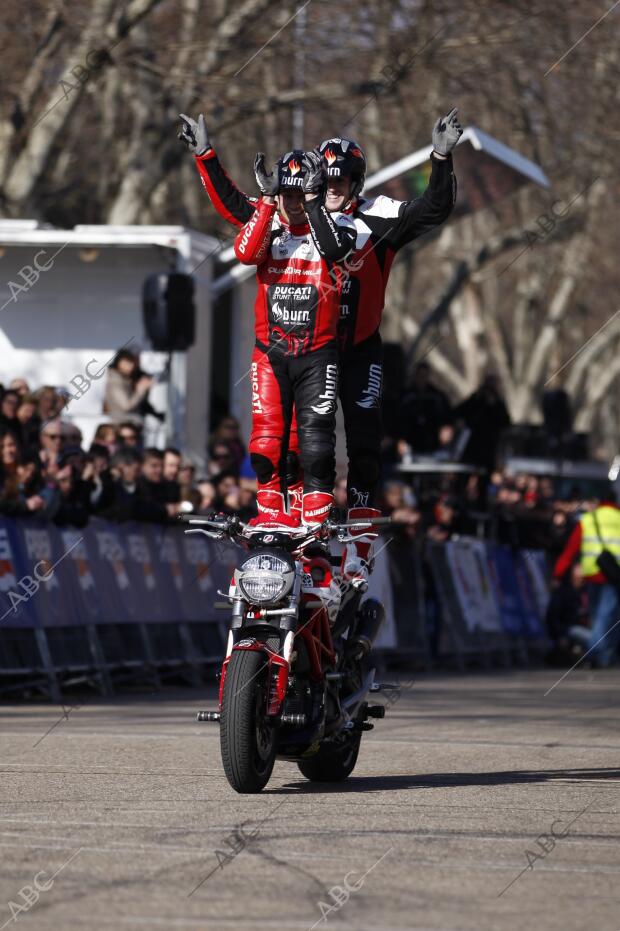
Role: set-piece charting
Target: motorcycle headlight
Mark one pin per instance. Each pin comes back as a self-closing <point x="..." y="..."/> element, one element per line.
<point x="265" y="578"/>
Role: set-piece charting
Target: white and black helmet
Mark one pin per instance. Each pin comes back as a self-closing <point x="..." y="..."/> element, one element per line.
<point x="344" y="158"/>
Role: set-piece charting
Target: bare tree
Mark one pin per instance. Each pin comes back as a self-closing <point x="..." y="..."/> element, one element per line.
<point x="88" y="133"/>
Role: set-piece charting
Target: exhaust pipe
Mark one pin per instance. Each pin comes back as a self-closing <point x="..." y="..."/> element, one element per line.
<point x="370" y="618"/>
<point x="213" y="716"/>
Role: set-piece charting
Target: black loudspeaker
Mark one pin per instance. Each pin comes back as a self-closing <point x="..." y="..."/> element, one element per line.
<point x="168" y="311"/>
<point x="557" y="412"/>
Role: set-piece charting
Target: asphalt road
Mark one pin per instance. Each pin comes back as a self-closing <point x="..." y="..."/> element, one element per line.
<point x="120" y="817"/>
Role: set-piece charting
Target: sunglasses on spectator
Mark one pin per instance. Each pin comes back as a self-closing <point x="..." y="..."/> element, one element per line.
<point x="53" y="436"/>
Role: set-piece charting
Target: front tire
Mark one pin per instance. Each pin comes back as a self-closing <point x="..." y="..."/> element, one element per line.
<point x="331" y="764"/>
<point x="247" y="738"/>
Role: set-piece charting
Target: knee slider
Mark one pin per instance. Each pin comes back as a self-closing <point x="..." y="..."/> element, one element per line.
<point x="321" y="467"/>
<point x="263" y="467"/>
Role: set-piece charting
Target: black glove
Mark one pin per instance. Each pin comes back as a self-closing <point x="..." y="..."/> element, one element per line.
<point x="195" y="134"/>
<point x="314" y="176"/>
<point x="268" y="183"/>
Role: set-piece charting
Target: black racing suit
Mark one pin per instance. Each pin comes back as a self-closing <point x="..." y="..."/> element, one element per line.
<point x="383" y="227"/>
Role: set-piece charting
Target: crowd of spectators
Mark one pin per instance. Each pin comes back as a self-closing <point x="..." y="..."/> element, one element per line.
<point x="520" y="510"/>
<point x="45" y="470"/>
<point x="425" y="431"/>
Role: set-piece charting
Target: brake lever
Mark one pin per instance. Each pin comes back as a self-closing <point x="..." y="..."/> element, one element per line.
<point x="214" y="534"/>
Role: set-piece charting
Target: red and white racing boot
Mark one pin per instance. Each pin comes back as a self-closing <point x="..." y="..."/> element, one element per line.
<point x="355" y="566"/>
<point x="269" y="502"/>
<point x="271" y="510"/>
<point x="316" y="506"/>
<point x="295" y="498"/>
<point x="273" y="521"/>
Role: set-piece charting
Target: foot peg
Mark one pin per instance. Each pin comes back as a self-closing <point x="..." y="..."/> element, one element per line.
<point x="208" y="716"/>
<point x="384" y="687"/>
<point x="297" y="720"/>
<point x="375" y="711"/>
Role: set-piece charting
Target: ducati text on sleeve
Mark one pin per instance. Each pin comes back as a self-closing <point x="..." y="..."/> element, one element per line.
<point x="248" y="232"/>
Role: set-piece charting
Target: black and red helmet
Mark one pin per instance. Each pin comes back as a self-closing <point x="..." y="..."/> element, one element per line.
<point x="344" y="158"/>
<point x="291" y="171"/>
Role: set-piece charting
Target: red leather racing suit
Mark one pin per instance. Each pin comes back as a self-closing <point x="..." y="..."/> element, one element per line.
<point x="295" y="359"/>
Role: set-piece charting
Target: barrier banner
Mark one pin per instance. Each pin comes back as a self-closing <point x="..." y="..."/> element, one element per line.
<point x="77" y="578"/>
<point x="108" y="573"/>
<point x="207" y="567"/>
<point x="453" y="628"/>
<point x="469" y="567"/>
<point x="379" y="587"/>
<point x="109" y="559"/>
<point x="532" y="620"/>
<point x="16" y="609"/>
<point x="535" y="562"/>
<point x="168" y="566"/>
<point x="515" y="595"/>
<point x="38" y="591"/>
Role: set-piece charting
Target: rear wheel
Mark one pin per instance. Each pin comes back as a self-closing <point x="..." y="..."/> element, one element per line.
<point x="332" y="763"/>
<point x="247" y="737"/>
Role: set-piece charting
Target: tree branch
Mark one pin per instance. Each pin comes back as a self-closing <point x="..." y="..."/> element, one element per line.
<point x="463" y="271"/>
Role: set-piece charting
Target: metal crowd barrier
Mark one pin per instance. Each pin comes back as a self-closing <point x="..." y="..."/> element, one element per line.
<point x="467" y="602"/>
<point x="106" y="604"/>
<point x="117" y="603"/>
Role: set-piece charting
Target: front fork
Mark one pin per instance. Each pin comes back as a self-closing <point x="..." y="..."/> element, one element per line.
<point x="279" y="664"/>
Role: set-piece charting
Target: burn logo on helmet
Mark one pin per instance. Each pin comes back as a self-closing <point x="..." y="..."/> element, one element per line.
<point x="290" y="170"/>
<point x="344" y="158"/>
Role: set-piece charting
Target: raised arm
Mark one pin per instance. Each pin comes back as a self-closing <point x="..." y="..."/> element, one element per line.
<point x="232" y="204"/>
<point x="252" y="242"/>
<point x="413" y="218"/>
<point x="335" y="239"/>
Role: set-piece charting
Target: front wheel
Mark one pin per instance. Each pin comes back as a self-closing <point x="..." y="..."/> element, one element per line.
<point x="332" y="764"/>
<point x="247" y="737"/>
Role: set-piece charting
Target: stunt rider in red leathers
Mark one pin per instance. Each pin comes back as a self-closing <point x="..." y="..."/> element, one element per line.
<point x="295" y="359"/>
<point x="383" y="226"/>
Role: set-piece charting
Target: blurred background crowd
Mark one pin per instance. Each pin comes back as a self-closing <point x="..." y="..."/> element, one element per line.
<point x="48" y="471"/>
<point x="442" y="476"/>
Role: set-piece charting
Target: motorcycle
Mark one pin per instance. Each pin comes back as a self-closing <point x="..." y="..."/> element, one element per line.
<point x="295" y="679"/>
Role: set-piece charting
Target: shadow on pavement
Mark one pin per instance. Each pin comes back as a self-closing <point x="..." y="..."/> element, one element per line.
<point x="444" y="780"/>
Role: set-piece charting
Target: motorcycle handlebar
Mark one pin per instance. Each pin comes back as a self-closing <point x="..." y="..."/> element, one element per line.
<point x="233" y="524"/>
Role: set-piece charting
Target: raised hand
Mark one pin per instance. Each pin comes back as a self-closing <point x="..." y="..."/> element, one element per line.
<point x="268" y="182"/>
<point x="314" y="173"/>
<point x="446" y="132"/>
<point x="194" y="134"/>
